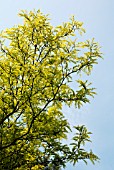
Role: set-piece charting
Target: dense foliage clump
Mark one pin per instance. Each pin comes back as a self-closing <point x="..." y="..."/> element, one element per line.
<point x="37" y="62"/>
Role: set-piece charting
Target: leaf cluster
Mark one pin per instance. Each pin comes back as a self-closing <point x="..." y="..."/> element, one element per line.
<point x="37" y="62"/>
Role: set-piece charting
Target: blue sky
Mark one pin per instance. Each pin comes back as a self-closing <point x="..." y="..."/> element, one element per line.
<point x="98" y="18"/>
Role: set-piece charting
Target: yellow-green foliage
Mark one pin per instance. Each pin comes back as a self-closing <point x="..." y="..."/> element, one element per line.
<point x="36" y="66"/>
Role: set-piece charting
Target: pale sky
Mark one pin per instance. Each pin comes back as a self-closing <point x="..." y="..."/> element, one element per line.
<point x="98" y="18"/>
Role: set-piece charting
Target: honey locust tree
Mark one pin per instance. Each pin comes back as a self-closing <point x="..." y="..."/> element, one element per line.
<point x="37" y="62"/>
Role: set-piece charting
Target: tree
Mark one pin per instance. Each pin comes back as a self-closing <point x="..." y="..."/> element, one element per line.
<point x="36" y="66"/>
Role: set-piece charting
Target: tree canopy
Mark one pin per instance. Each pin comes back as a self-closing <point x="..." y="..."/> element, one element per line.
<point x="37" y="62"/>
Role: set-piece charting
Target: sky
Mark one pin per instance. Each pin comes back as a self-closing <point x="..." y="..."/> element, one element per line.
<point x="98" y="18"/>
